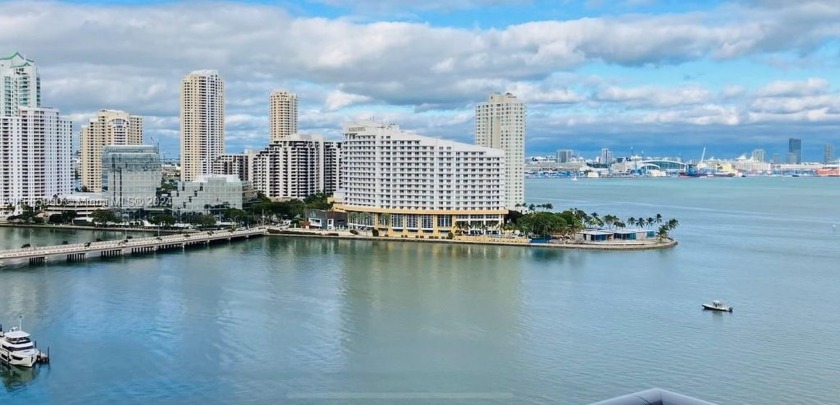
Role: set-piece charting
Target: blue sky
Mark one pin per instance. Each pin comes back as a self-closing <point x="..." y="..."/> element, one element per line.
<point x="664" y="76"/>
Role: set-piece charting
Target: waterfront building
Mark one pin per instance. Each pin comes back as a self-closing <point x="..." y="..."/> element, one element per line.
<point x="109" y="127"/>
<point x="208" y="193"/>
<point x="403" y="184"/>
<point x="828" y="153"/>
<point x="240" y="165"/>
<point x="20" y="85"/>
<point x="82" y="205"/>
<point x="794" y="151"/>
<point x="36" y="157"/>
<point x="758" y="155"/>
<point x="296" y="166"/>
<point x="202" y="122"/>
<point x="564" y="156"/>
<point x="282" y="115"/>
<point x="500" y="124"/>
<point x="131" y="175"/>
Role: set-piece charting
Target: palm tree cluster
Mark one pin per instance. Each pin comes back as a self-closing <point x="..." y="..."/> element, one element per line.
<point x="573" y="220"/>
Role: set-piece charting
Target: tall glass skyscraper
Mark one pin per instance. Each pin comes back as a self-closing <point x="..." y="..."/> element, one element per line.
<point x="794" y="151"/>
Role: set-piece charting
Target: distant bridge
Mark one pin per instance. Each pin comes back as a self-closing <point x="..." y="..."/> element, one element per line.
<point x="112" y="248"/>
<point x="660" y="164"/>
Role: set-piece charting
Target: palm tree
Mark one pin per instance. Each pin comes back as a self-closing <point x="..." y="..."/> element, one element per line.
<point x="548" y="206"/>
<point x="607" y="220"/>
<point x="641" y="222"/>
<point x="672" y="224"/>
<point x="631" y="221"/>
<point x="650" y="221"/>
<point x="663" y="233"/>
<point x="658" y="218"/>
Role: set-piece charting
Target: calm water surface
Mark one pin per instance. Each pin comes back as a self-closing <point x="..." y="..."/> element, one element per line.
<point x="278" y="320"/>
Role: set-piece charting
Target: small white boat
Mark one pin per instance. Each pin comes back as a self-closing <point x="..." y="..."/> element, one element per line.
<point x="17" y="349"/>
<point x="717" y="306"/>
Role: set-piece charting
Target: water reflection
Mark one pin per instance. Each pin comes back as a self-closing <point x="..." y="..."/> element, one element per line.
<point x="449" y="312"/>
<point x="15" y="378"/>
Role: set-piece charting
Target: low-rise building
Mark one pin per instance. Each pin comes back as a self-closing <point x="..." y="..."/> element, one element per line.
<point x="208" y="193"/>
<point x="83" y="205"/>
<point x="131" y="175"/>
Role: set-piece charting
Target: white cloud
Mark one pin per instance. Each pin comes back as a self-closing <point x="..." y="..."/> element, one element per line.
<point x="132" y="58"/>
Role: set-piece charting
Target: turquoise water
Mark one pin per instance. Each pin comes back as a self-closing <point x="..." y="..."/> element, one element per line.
<point x="284" y="320"/>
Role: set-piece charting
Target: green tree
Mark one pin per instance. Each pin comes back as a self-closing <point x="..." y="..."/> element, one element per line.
<point x="56" y="219"/>
<point x="165" y="220"/>
<point x="102" y="217"/>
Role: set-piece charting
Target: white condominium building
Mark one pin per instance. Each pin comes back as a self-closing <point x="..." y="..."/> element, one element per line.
<point x="109" y="127"/>
<point x="282" y="114"/>
<point x="500" y="124"/>
<point x="202" y="122"/>
<point x="20" y="85"/>
<point x="240" y="165"/>
<point x="35" y="156"/>
<point x="405" y="184"/>
<point x="296" y="167"/>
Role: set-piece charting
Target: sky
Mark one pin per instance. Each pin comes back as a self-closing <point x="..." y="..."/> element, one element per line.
<point x="658" y="77"/>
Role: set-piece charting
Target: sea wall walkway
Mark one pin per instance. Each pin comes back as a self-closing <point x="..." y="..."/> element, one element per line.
<point x="111" y="248"/>
<point x="478" y="240"/>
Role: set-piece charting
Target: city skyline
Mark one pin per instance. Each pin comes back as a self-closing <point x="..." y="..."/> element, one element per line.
<point x="653" y="75"/>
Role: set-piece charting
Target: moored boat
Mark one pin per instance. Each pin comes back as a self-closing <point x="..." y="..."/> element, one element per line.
<point x="717" y="306"/>
<point x="17" y="349"/>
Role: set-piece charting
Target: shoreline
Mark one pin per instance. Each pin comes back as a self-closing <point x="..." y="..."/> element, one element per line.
<point x="670" y="243"/>
<point x="96" y="228"/>
<point x="345" y="235"/>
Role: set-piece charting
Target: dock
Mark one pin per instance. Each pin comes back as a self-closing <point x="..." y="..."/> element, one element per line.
<point x="114" y="248"/>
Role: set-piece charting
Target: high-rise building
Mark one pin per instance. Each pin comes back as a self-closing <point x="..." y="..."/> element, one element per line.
<point x="131" y="175"/>
<point x="606" y="156"/>
<point x="282" y="114"/>
<point x="564" y="156"/>
<point x="202" y="122"/>
<point x="411" y="185"/>
<point x="828" y="153"/>
<point x="20" y="85"/>
<point x="500" y="124"/>
<point x="109" y="127"/>
<point x="794" y="151"/>
<point x="758" y="155"/>
<point x="35" y="156"/>
<point x="295" y="167"/>
<point x="240" y="165"/>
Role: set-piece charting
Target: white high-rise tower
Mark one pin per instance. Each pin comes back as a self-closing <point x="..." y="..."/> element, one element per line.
<point x="35" y="142"/>
<point x="202" y="122"/>
<point x="500" y="124"/>
<point x="20" y="84"/>
<point x="283" y="115"/>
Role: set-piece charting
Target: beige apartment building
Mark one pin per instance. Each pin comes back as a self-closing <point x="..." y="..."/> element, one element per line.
<point x="202" y="122"/>
<point x="282" y="115"/>
<point x="500" y="124"/>
<point x="109" y="127"/>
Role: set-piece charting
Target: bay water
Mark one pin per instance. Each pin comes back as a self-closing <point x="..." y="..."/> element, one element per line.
<point x="299" y="321"/>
